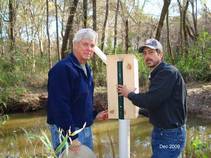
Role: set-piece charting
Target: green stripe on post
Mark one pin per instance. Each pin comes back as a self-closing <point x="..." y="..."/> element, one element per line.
<point x="120" y="81"/>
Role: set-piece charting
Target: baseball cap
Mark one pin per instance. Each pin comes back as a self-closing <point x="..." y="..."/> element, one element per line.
<point x="151" y="43"/>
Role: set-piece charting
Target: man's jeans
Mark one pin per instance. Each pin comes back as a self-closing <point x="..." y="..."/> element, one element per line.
<point x="85" y="136"/>
<point x="168" y="143"/>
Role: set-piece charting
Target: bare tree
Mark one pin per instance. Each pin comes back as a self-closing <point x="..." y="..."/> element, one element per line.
<point x="194" y="16"/>
<point x="94" y="7"/>
<point x="1" y="36"/>
<point x="183" y="38"/>
<point x="48" y="35"/>
<point x="168" y="39"/>
<point x="62" y="10"/>
<point x="85" y="12"/>
<point x="115" y="25"/>
<point x="125" y="18"/>
<point x="11" y="23"/>
<point x="69" y="28"/>
<point x="180" y="37"/>
<point x="162" y="18"/>
<point x="185" y="26"/>
<point x="32" y="39"/>
<point x="57" y="30"/>
<point x="33" y="24"/>
<point x="190" y="30"/>
<point x="126" y="36"/>
<point x="206" y="17"/>
<point x="40" y="39"/>
<point x="94" y="16"/>
<point x="104" y="25"/>
<point x="27" y="26"/>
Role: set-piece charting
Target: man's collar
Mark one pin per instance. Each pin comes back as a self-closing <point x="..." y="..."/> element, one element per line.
<point x="156" y="69"/>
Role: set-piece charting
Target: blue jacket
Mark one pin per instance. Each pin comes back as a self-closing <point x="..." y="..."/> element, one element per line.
<point x="70" y="95"/>
<point x="166" y="99"/>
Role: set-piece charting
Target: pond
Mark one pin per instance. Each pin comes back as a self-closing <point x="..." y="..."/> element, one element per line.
<point x="15" y="142"/>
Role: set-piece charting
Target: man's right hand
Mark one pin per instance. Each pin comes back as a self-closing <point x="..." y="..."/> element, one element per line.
<point x="124" y="91"/>
<point x="103" y="115"/>
<point x="75" y="146"/>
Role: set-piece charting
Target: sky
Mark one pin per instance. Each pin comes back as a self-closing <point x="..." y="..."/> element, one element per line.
<point x="154" y="7"/>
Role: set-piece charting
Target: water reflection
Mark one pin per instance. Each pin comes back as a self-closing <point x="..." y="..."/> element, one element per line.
<point x="14" y="142"/>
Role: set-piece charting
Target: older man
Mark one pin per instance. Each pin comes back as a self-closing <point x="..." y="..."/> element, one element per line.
<point x="70" y="92"/>
<point x="165" y="102"/>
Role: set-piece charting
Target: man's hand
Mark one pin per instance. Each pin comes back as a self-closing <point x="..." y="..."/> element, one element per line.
<point x="75" y="146"/>
<point x="124" y="91"/>
<point x="103" y="115"/>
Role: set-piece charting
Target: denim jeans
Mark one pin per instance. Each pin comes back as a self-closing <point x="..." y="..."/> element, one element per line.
<point x="84" y="137"/>
<point x="168" y="143"/>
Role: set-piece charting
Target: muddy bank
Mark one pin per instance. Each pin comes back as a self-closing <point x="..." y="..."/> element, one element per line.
<point x="198" y="101"/>
<point x="26" y="103"/>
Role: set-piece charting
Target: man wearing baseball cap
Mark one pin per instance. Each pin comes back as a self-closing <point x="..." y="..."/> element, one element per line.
<point x="165" y="102"/>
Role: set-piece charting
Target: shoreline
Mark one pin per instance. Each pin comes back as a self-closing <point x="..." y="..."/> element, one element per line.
<point x="198" y="101"/>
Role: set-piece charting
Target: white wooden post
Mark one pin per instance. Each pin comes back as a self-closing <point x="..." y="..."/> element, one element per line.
<point x="124" y="138"/>
<point x="121" y="108"/>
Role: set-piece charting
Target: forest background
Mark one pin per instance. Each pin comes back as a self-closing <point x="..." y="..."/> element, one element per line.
<point x="35" y="34"/>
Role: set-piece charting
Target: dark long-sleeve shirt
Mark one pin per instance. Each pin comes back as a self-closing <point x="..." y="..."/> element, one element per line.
<point x="70" y="95"/>
<point x="166" y="98"/>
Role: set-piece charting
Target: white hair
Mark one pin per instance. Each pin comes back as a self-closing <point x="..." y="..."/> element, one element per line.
<point x="85" y="33"/>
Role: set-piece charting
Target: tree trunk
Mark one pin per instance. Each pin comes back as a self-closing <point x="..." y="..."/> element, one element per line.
<point x="168" y="39"/>
<point x="194" y="16"/>
<point x="94" y="8"/>
<point x="48" y="35"/>
<point x="104" y="25"/>
<point x="1" y="37"/>
<point x="94" y="15"/>
<point x="205" y="27"/>
<point x="126" y="37"/>
<point x="11" y="23"/>
<point x="162" y="18"/>
<point x="57" y="31"/>
<point x="28" y="39"/>
<point x="33" y="57"/>
<point x="180" y="38"/>
<point x="184" y="28"/>
<point x="190" y="30"/>
<point x="41" y="46"/>
<point x="69" y="28"/>
<point x="63" y="15"/>
<point x="85" y="12"/>
<point x="115" y="26"/>
<point x="196" y="21"/>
